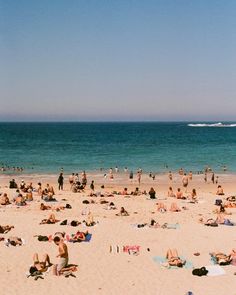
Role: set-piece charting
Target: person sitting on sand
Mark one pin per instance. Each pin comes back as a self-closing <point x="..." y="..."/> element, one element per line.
<point x="41" y="266"/>
<point x="123" y="212"/>
<point x="193" y="196"/>
<point x="110" y="206"/>
<point x="152" y="193"/>
<point x="174" y="259"/>
<point x="154" y="224"/>
<point x="29" y="195"/>
<point x="179" y="194"/>
<point x="89" y="221"/>
<point x="161" y="207"/>
<point x="229" y="204"/>
<point x="50" y="220"/>
<point x="221" y="258"/>
<point x="63" y="256"/>
<point x="4" y="229"/>
<point x="174" y="208"/>
<point x="4" y="200"/>
<point x="220" y="191"/>
<point x="125" y="192"/>
<point x="171" y="193"/>
<point x="20" y="201"/>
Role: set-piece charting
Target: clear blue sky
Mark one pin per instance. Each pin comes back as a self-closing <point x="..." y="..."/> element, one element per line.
<point x="117" y="60"/>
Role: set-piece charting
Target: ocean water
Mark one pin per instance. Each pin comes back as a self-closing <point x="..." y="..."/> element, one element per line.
<point x="157" y="147"/>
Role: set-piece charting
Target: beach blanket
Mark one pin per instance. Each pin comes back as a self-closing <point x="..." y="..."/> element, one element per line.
<point x="215" y="270"/>
<point x="163" y="262"/>
<point x="171" y="226"/>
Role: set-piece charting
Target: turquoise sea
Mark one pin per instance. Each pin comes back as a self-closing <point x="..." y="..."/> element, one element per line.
<point x="156" y="147"/>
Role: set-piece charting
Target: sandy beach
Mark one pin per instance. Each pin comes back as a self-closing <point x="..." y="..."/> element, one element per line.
<point x="102" y="272"/>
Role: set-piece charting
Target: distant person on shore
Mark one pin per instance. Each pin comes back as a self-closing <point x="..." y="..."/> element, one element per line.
<point x="213" y="177"/>
<point x="60" y="181"/>
<point x="171" y="193"/>
<point x="170" y="176"/>
<point x="152" y="193"/>
<point x="179" y="194"/>
<point x="131" y="175"/>
<point x="139" y="177"/>
<point x="190" y="175"/>
<point x="205" y="177"/>
<point x="71" y="179"/>
<point x="185" y="181"/>
<point x="181" y="171"/>
<point x="220" y="191"/>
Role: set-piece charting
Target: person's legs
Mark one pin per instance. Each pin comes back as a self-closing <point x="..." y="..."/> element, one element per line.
<point x="46" y="259"/>
<point x="169" y="254"/>
<point x="35" y="258"/>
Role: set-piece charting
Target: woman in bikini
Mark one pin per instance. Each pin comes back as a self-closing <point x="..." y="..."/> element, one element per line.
<point x="174" y="259"/>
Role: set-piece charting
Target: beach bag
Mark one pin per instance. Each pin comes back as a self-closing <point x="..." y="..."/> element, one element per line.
<point x="43" y="238"/>
<point x="200" y="271"/>
<point x="218" y="202"/>
<point x="64" y="222"/>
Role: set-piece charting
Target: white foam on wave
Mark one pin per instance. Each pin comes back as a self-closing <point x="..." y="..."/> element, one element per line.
<point x="212" y="125"/>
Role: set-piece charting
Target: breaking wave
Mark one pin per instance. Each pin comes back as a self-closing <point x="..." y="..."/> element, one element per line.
<point x="212" y="125"/>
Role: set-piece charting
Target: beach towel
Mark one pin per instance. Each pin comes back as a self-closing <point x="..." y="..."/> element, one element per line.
<point x="215" y="270"/>
<point x="162" y="261"/>
<point x="171" y="226"/>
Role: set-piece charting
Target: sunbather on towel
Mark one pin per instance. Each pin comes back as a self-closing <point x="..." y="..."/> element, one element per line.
<point x="174" y="259"/>
<point x="50" y="220"/>
<point x="221" y="258"/>
<point x="40" y="266"/>
<point x="78" y="237"/>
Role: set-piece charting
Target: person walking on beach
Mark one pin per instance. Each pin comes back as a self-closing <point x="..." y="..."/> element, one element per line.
<point x="60" y="181"/>
<point x="185" y="181"/>
<point x="213" y="178"/>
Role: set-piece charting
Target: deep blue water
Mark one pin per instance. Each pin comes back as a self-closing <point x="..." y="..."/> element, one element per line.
<point x="46" y="147"/>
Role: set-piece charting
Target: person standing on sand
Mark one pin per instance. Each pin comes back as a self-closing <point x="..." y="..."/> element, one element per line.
<point x="139" y="173"/>
<point x="213" y="178"/>
<point x="60" y="181"/>
<point x="185" y="181"/>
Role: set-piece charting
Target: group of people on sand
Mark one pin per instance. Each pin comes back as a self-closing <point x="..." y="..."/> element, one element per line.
<point x="60" y="267"/>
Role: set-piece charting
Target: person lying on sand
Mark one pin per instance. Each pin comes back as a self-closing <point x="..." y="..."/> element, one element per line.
<point x="123" y="212"/>
<point x="161" y="207"/>
<point x="110" y="206"/>
<point x="14" y="241"/>
<point x="4" y="229"/>
<point x="174" y="259"/>
<point x="41" y="266"/>
<point x="154" y="224"/>
<point x="78" y="237"/>
<point x="45" y="207"/>
<point x="4" y="200"/>
<point x="51" y="220"/>
<point x="221" y="258"/>
<point x="174" y="208"/>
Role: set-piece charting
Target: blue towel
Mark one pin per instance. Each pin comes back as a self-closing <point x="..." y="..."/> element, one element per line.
<point x="161" y="259"/>
<point x="88" y="237"/>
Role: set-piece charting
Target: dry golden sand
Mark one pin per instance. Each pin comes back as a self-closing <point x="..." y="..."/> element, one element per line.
<point x="103" y="273"/>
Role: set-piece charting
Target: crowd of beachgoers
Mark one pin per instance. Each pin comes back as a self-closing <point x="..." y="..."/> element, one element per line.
<point x="22" y="194"/>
